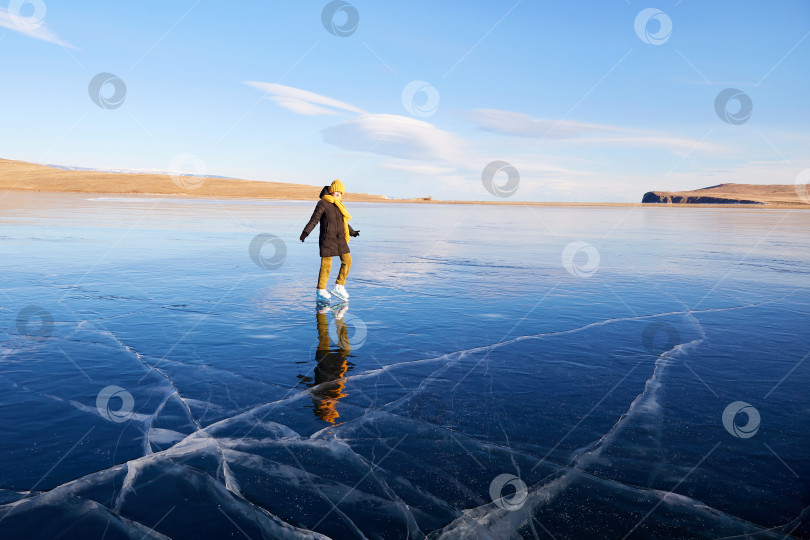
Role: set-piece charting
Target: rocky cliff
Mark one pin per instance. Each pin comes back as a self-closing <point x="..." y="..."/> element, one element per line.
<point x="759" y="194"/>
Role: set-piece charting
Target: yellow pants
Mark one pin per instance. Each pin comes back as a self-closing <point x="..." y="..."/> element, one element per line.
<point x="326" y="267"/>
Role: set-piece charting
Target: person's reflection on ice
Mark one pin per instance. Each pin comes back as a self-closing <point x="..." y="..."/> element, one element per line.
<point x="330" y="370"/>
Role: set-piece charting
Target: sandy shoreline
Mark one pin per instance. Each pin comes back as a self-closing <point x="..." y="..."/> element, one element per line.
<point x="19" y="176"/>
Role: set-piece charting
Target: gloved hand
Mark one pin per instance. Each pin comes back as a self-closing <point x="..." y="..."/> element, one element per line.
<point x="355" y="233"/>
<point x="303" y="236"/>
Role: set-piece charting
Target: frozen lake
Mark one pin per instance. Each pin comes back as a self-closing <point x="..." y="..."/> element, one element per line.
<point x="501" y="372"/>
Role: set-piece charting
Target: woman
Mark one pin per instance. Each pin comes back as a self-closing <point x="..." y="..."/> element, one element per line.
<point x="333" y="239"/>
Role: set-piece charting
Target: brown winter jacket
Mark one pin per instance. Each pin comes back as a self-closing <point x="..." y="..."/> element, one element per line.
<point x="331" y="239"/>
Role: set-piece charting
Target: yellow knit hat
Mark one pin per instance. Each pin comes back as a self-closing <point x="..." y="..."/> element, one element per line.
<point x="337" y="185"/>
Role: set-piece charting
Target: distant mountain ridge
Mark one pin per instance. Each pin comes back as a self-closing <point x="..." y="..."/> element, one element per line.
<point x="755" y="194"/>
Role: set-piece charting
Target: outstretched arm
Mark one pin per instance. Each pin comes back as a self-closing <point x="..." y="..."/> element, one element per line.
<point x="353" y="232"/>
<point x="316" y="217"/>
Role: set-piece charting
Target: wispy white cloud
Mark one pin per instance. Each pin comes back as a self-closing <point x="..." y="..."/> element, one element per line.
<point x="584" y="134"/>
<point x="396" y="136"/>
<point x="418" y="146"/>
<point x="677" y="145"/>
<point x="33" y="29"/>
<point x="524" y="125"/>
<point x="422" y="169"/>
<point x="719" y="84"/>
<point x="303" y="101"/>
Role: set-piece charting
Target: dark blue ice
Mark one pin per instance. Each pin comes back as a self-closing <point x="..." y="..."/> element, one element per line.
<point x="160" y="380"/>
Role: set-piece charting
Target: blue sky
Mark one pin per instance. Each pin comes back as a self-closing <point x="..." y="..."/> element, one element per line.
<point x="582" y="105"/>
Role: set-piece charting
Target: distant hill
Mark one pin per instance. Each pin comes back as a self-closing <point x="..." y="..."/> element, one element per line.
<point x="20" y="175"/>
<point x="758" y="194"/>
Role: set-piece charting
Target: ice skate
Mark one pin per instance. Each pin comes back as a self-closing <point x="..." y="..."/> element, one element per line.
<point x="323" y="296"/>
<point x="340" y="292"/>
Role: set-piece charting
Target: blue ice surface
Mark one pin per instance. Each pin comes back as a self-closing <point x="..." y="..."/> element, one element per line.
<point x="163" y="378"/>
